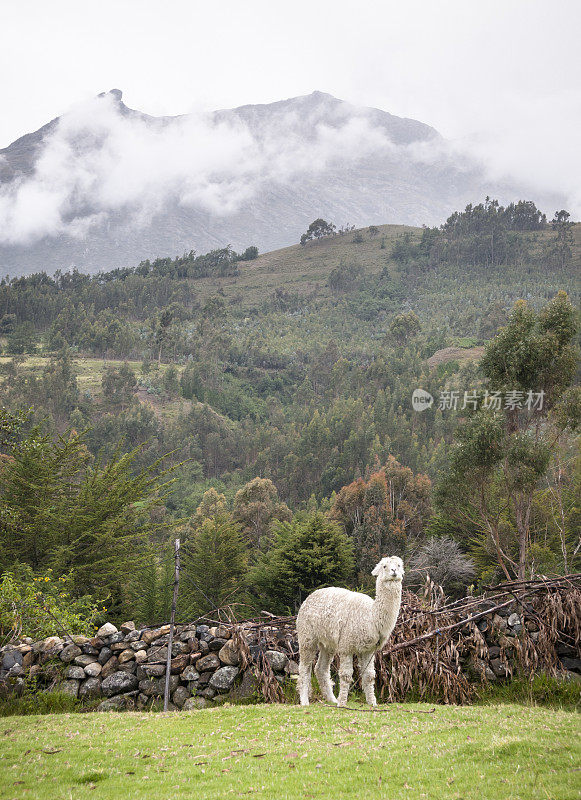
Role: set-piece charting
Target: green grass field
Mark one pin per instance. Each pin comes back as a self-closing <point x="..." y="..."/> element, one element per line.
<point x="284" y="751"/>
<point x="89" y="371"/>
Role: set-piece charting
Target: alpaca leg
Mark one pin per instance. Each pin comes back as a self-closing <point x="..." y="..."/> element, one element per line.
<point x="345" y="677"/>
<point x="323" y="673"/>
<point x="307" y="656"/>
<point x="368" y="677"/>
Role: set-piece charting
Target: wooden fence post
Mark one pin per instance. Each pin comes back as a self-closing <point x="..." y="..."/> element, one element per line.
<point x="174" y="601"/>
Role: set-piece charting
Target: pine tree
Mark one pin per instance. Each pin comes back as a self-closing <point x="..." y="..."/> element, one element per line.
<point x="62" y="510"/>
<point x="307" y="553"/>
<point x="214" y="564"/>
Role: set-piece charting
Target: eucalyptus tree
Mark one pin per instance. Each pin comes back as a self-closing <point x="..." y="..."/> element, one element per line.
<point x="505" y="447"/>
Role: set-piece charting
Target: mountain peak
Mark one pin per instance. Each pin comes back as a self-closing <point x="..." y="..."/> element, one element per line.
<point x="323" y="95"/>
<point x="315" y="98"/>
<point x="116" y="94"/>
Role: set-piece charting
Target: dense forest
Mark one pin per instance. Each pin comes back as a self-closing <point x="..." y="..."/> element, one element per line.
<point x="260" y="407"/>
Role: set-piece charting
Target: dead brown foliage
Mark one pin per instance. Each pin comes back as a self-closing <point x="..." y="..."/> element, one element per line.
<point x="437" y="651"/>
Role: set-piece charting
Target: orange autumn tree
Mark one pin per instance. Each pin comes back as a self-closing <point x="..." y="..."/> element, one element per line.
<point x="384" y="514"/>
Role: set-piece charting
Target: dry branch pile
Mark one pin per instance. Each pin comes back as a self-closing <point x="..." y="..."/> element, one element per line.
<point x="447" y="651"/>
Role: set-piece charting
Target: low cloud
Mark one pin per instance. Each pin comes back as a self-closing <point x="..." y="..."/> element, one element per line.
<point x="100" y="161"/>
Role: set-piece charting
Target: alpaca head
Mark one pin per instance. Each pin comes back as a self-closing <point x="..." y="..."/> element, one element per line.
<point x="389" y="568"/>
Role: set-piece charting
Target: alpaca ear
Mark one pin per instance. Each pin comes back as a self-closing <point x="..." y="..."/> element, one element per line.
<point x="376" y="569"/>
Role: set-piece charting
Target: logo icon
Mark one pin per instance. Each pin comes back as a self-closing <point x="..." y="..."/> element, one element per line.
<point x="421" y="400"/>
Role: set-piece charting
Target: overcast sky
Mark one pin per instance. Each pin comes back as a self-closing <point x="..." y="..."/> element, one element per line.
<point x="502" y="77"/>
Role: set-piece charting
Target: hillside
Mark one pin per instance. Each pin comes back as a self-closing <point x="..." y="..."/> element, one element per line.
<point x="105" y="186"/>
<point x="306" y="269"/>
<point x="270" y="318"/>
<point x="286" y="378"/>
<point x="288" y="292"/>
<point x="448" y="297"/>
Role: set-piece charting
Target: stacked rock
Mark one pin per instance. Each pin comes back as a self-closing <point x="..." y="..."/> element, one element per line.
<point x="126" y="667"/>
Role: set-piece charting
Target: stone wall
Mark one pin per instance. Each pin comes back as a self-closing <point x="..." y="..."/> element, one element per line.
<point x="125" y="668"/>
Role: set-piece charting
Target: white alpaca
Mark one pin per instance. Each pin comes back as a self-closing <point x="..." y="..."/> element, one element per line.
<point x="337" y="621"/>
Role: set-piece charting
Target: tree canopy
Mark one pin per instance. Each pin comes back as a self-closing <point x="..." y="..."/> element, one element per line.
<point x="505" y="448"/>
<point x="318" y="229"/>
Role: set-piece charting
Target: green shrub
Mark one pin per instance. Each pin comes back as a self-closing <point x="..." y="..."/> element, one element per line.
<point x="42" y="605"/>
<point x="467" y="341"/>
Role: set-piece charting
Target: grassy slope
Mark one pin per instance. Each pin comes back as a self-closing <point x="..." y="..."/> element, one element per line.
<point x="505" y="751"/>
<point x="89" y="370"/>
<point x="303" y="269"/>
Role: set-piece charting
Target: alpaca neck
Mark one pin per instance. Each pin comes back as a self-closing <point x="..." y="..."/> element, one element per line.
<point x="386" y="607"/>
